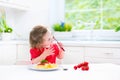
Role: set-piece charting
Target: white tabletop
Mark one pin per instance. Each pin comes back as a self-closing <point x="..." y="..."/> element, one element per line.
<point x="96" y="72"/>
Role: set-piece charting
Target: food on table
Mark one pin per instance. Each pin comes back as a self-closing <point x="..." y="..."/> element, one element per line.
<point x="84" y="66"/>
<point x="75" y="67"/>
<point x="44" y="62"/>
<point x="46" y="66"/>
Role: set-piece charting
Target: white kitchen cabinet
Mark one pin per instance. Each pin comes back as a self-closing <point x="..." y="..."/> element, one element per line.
<point x="12" y="52"/>
<point x="16" y="4"/>
<point x="23" y="53"/>
<point x="73" y="55"/>
<point x="102" y="55"/>
<point x="7" y="54"/>
<point x="77" y="54"/>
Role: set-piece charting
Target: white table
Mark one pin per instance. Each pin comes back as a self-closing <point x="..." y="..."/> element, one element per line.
<point x="96" y="72"/>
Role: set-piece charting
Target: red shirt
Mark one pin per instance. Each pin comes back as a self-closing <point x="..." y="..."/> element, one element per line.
<point x="51" y="58"/>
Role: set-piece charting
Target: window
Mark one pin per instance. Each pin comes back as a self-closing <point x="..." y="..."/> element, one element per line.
<point x="95" y="19"/>
<point x="91" y="19"/>
<point x="103" y="13"/>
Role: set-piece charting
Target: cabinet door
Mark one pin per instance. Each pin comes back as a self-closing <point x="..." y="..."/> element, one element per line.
<point x="102" y="55"/>
<point x="98" y="52"/>
<point x="73" y="55"/>
<point x="23" y="52"/>
<point x="116" y="52"/>
<point x="7" y="54"/>
<point x="116" y="55"/>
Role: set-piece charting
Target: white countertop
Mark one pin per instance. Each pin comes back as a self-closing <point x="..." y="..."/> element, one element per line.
<point x="96" y="72"/>
<point x="72" y="43"/>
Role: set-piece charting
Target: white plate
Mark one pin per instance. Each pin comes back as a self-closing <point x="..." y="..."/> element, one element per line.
<point x="32" y="67"/>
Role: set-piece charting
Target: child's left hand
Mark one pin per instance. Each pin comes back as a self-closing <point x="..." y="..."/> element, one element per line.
<point x="61" y="46"/>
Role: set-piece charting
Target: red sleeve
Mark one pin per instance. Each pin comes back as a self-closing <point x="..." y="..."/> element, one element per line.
<point x="34" y="53"/>
<point x="56" y="49"/>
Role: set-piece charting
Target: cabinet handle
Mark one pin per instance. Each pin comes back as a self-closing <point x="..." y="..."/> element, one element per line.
<point x="108" y="53"/>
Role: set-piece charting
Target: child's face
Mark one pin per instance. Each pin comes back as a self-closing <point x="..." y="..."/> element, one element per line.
<point x="47" y="40"/>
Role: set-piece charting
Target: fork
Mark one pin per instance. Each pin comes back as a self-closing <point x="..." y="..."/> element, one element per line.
<point x="58" y="44"/>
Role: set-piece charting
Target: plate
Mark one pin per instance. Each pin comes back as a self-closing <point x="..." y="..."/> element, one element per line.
<point x="34" y="67"/>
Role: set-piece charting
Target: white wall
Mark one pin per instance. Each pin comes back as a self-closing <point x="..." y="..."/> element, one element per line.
<point x="23" y="21"/>
<point x="45" y="12"/>
<point x="56" y="10"/>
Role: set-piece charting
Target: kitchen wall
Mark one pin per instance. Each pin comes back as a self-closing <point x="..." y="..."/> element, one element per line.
<point x="44" y="12"/>
<point x="24" y="21"/>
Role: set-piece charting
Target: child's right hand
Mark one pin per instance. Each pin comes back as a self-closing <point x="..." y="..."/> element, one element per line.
<point x="48" y="51"/>
<point x="61" y="46"/>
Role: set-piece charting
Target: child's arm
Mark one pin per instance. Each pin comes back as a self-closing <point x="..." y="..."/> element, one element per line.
<point x="43" y="55"/>
<point x="61" y="55"/>
<point x="61" y="51"/>
<point x="38" y="59"/>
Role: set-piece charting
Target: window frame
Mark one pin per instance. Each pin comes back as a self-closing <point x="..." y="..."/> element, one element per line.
<point x="104" y="35"/>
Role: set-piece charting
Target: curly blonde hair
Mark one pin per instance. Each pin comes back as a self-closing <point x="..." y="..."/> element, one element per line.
<point x="36" y="35"/>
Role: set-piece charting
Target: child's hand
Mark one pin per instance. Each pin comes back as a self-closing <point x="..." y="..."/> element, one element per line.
<point x="61" y="46"/>
<point x="61" y="51"/>
<point x="48" y="51"/>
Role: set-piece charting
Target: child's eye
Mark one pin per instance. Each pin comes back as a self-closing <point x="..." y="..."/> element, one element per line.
<point x="49" y="39"/>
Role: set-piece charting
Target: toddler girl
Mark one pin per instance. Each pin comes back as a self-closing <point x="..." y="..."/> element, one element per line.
<point x="42" y="46"/>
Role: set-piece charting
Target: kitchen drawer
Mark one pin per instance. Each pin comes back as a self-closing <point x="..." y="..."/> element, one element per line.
<point x="73" y="55"/>
<point x="7" y="54"/>
<point x="23" y="52"/>
<point x="116" y="53"/>
<point x="99" y="52"/>
<point x="102" y="60"/>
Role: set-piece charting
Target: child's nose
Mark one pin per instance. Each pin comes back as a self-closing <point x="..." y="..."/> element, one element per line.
<point x="51" y="39"/>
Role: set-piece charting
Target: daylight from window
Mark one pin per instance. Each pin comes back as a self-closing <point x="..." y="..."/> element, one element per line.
<point x="104" y="14"/>
<point x="98" y="18"/>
